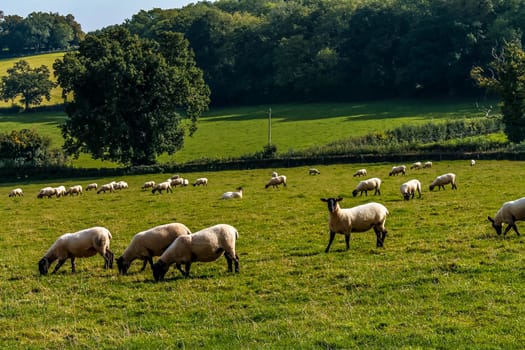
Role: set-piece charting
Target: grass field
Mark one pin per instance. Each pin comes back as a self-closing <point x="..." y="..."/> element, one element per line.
<point x="444" y="279"/>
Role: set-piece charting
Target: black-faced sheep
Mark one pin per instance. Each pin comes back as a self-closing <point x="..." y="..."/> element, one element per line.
<point x="357" y="219"/>
<point x="400" y="169"/>
<point x="77" y="189"/>
<point x="231" y="195"/>
<point x="205" y="245"/>
<point x="416" y="165"/>
<point x="275" y="174"/>
<point x="92" y="186"/>
<point x="60" y="191"/>
<point x="201" y="181"/>
<point x="368" y="185"/>
<point x="427" y="165"/>
<point x="16" y="192"/>
<point x="106" y="187"/>
<point x="81" y="244"/>
<point x="46" y="192"/>
<point x="360" y="172"/>
<point x="409" y="188"/>
<point x="147" y="244"/>
<point x="148" y="184"/>
<point x="313" y="171"/>
<point x="509" y="213"/>
<point x="276" y="181"/>
<point x="162" y="186"/>
<point x="177" y="182"/>
<point x="443" y="180"/>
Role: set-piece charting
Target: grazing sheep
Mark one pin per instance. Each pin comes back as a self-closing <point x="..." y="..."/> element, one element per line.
<point x="409" y="188"/>
<point x="148" y="184"/>
<point x="166" y="185"/>
<point x="427" y="165"/>
<point x="368" y="185"/>
<point x="416" y="165"/>
<point x="509" y="213"/>
<point x="274" y="174"/>
<point x="313" y="171"/>
<point x="92" y="186"/>
<point x="357" y="219"/>
<point x="443" y="180"/>
<point x="106" y="187"/>
<point x="231" y="195"/>
<point x="60" y="191"/>
<point x="16" y="192"/>
<point x="360" y="172"/>
<point x="121" y="185"/>
<point x="176" y="176"/>
<point x="147" y="244"/>
<point x="185" y="182"/>
<point x="472" y="162"/>
<point x="201" y="181"/>
<point x="176" y="182"/>
<point x="81" y="244"/>
<point x="77" y="189"/>
<point x="205" y="245"/>
<point x="400" y="169"/>
<point x="276" y="181"/>
<point x="46" y="192"/>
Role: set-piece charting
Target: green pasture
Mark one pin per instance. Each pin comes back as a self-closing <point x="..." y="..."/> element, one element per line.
<point x="444" y="279"/>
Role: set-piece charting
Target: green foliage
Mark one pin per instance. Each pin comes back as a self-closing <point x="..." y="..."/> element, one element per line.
<point x="27" y="148"/>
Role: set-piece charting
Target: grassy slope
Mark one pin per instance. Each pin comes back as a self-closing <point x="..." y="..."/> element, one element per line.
<point x="444" y="279"/>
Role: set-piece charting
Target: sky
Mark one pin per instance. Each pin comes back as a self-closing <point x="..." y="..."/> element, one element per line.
<point x="91" y="14"/>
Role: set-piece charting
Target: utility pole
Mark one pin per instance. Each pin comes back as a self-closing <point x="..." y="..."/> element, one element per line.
<point x="270" y="126"/>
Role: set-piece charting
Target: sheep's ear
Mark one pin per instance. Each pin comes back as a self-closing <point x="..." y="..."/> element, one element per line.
<point x="324" y="199"/>
<point x="490" y="219"/>
<point x="339" y="199"/>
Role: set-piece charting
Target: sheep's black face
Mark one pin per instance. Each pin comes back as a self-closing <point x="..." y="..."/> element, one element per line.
<point x="159" y="270"/>
<point x="332" y="203"/>
<point x="354" y="193"/>
<point x="122" y="267"/>
<point x="496" y="227"/>
<point x="43" y="266"/>
<point x="406" y="196"/>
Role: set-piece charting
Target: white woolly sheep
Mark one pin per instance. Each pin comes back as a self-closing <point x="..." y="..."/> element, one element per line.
<point x="147" y="244"/>
<point x="400" y="169"/>
<point x="77" y="189"/>
<point x="166" y="185"/>
<point x="368" y="185"/>
<point x="121" y="185"/>
<point x="276" y="181"/>
<point x="81" y="244"/>
<point x="16" y="192"/>
<point x="176" y="176"/>
<point x="443" y="180"/>
<point x="509" y="213"/>
<point x="357" y="219"/>
<point x="201" y="181"/>
<point x="185" y="182"/>
<point x="176" y="182"/>
<point x="274" y="174"/>
<point x="106" y="187"/>
<point x="60" y="191"/>
<point x="313" y="171"/>
<point x="360" y="172"/>
<point x="231" y="195"/>
<point x="427" y="165"/>
<point x="416" y="165"/>
<point x="409" y="188"/>
<point x="148" y="184"/>
<point x="205" y="246"/>
<point x="472" y="162"/>
<point x="92" y="186"/>
<point x="46" y="192"/>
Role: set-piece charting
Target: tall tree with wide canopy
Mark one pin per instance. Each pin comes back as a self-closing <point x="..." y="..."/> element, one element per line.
<point x="128" y="97"/>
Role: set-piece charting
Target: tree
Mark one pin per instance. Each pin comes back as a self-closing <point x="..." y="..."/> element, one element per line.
<point x="507" y="79"/>
<point x="127" y="97"/>
<point x="32" y="83"/>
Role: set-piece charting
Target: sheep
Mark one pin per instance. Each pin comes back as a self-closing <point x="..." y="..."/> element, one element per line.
<point x="92" y="186"/>
<point x="313" y="171"/>
<point x="509" y="213"/>
<point x="147" y="244"/>
<point x="416" y="165"/>
<point x="16" y="192"/>
<point x="274" y="174"/>
<point x="400" y="169"/>
<point x="205" y="245"/>
<point x="201" y="181"/>
<point x="106" y="187"/>
<point x="276" y="181"/>
<point x="166" y="185"/>
<point x="148" y="184"/>
<point x="185" y="182"/>
<point x="60" y="191"/>
<point x="356" y="219"/>
<point x="360" y="172"/>
<point x="176" y="176"/>
<point x="81" y="244"/>
<point x="368" y="185"/>
<point x="46" y="192"/>
<point x="427" y="165"/>
<point x="176" y="182"/>
<point x="231" y="195"/>
<point x="472" y="162"/>
<point x="77" y="189"/>
<point x="443" y="180"/>
<point x="409" y="188"/>
<point x="121" y="185"/>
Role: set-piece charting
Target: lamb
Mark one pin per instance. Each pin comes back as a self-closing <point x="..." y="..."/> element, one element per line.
<point x="231" y="195"/>
<point x="92" y="186"/>
<point x="46" y="192"/>
<point x="77" y="189"/>
<point x="148" y="184"/>
<point x="205" y="245"/>
<point x="356" y="219"/>
<point x="16" y="192"/>
<point x="368" y="185"/>
<point x="166" y="185"/>
<point x="409" y="188"/>
<point x="472" y="162"/>
<point x="400" y="169"/>
<point x="427" y="165"/>
<point x="106" y="187"/>
<point x="313" y="171"/>
<point x="60" y="191"/>
<point x="201" y="181"/>
<point x="416" y="165"/>
<point x="509" y="213"/>
<point x="360" y="172"/>
<point x="147" y="244"/>
<point x="443" y="180"/>
<point x="81" y="244"/>
<point x="276" y="181"/>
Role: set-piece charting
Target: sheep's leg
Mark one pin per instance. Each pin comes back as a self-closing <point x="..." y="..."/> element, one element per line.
<point x="108" y="259"/>
<point x="73" y="266"/>
<point x="59" y="264"/>
<point x="332" y="236"/>
<point x="229" y="261"/>
<point x="188" y="269"/>
<point x="236" y="263"/>
<point x="146" y="260"/>
<point x="515" y="229"/>
<point x="347" y="241"/>
<point x="178" y="266"/>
